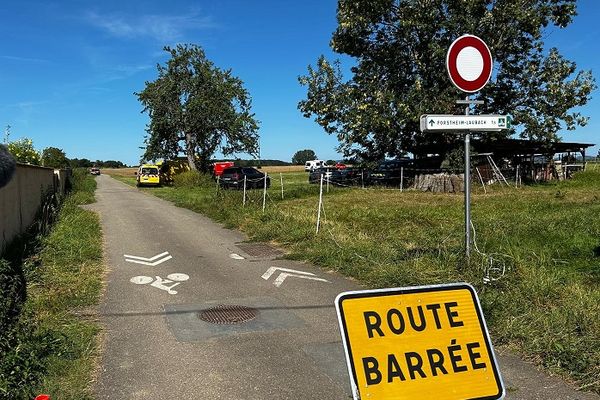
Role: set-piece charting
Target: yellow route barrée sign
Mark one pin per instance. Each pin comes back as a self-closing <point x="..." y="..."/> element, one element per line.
<point x="426" y="342"/>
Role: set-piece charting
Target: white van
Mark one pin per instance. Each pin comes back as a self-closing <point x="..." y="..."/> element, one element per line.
<point x="314" y="164"/>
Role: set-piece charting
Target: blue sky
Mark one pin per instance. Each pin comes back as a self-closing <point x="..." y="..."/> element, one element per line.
<point x="68" y="69"/>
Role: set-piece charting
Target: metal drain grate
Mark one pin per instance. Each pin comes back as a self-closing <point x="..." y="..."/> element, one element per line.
<point x="259" y="250"/>
<point x="228" y="314"/>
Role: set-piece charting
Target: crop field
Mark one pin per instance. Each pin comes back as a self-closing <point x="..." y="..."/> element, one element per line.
<point x="535" y="264"/>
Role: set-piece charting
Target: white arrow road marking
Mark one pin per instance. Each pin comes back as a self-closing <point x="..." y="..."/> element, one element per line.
<point x="272" y="270"/>
<point x="289" y="272"/>
<point x="236" y="256"/>
<point x="284" y="275"/>
<point x="149" y="261"/>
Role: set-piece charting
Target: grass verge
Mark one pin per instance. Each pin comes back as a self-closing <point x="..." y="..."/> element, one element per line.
<point x="50" y="349"/>
<point x="543" y="298"/>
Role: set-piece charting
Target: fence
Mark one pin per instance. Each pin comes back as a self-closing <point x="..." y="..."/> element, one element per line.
<point x="21" y="200"/>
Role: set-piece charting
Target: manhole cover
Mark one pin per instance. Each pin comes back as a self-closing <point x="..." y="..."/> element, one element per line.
<point x="259" y="250"/>
<point x="228" y="314"/>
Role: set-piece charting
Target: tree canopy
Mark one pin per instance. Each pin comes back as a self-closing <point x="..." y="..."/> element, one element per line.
<point x="302" y="156"/>
<point x="54" y="157"/>
<point x="197" y="108"/>
<point x="400" y="46"/>
<point x="24" y="152"/>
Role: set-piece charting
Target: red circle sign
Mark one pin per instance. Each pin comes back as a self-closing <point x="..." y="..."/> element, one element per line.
<point x="469" y="63"/>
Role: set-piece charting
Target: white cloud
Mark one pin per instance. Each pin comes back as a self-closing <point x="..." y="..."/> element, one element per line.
<point x="163" y="28"/>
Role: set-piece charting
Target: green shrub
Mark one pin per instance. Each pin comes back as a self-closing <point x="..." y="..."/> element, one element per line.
<point x="12" y="294"/>
<point x="192" y="179"/>
<point x="24" y="351"/>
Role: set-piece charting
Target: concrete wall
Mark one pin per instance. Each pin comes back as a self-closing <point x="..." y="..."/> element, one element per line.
<point x="61" y="179"/>
<point x="22" y="197"/>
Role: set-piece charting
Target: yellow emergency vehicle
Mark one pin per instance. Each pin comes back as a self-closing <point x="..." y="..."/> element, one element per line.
<point x="147" y="175"/>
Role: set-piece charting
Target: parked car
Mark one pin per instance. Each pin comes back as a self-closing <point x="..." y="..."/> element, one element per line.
<point x="95" y="171"/>
<point x="147" y="175"/>
<point x="388" y="173"/>
<point x="315" y="175"/>
<point x="314" y="164"/>
<point x="233" y="177"/>
<point x="346" y="176"/>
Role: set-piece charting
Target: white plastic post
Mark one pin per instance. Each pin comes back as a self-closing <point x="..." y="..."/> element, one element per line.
<point x="244" y="201"/>
<point x="281" y="179"/>
<point x="320" y="204"/>
<point x="362" y="178"/>
<point x="481" y="179"/>
<point x="401" y="179"/>
<point x="327" y="183"/>
<point x="265" y="194"/>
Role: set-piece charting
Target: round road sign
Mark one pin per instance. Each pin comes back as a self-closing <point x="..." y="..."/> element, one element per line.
<point x="469" y="63"/>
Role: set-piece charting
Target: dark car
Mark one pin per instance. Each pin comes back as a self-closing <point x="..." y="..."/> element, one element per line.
<point x="315" y="174"/>
<point x="234" y="178"/>
<point x="388" y="173"/>
<point x="347" y="176"/>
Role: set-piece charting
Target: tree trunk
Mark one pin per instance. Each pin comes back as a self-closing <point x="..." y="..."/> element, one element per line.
<point x="190" y="150"/>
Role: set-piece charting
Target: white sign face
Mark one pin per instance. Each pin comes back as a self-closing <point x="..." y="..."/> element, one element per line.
<point x="477" y="123"/>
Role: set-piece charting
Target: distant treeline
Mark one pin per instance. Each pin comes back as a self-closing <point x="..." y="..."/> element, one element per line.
<point x="256" y="163"/>
<point x="85" y="163"/>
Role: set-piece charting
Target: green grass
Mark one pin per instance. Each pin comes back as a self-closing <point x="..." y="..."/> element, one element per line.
<point x="65" y="277"/>
<point x="547" y="237"/>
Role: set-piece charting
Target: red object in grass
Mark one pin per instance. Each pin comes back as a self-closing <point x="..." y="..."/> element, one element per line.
<point x="43" y="397"/>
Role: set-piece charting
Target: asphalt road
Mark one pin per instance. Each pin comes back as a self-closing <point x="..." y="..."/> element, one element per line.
<point x="156" y="346"/>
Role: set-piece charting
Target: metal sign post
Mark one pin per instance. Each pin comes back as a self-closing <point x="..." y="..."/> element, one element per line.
<point x="467" y="178"/>
<point x="467" y="189"/>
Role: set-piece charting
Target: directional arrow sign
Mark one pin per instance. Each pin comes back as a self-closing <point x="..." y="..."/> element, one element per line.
<point x="477" y="123"/>
<point x="286" y="272"/>
<point x="153" y="261"/>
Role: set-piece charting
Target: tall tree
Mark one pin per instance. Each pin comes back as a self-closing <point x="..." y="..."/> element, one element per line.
<point x="197" y="108"/>
<point x="400" y="51"/>
<point x="54" y="158"/>
<point x="302" y="156"/>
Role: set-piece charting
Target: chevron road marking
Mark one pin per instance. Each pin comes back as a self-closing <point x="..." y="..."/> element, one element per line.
<point x="289" y="273"/>
<point x="149" y="261"/>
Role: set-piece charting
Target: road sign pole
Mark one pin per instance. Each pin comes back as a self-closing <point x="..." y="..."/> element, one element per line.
<point x="467" y="189"/>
